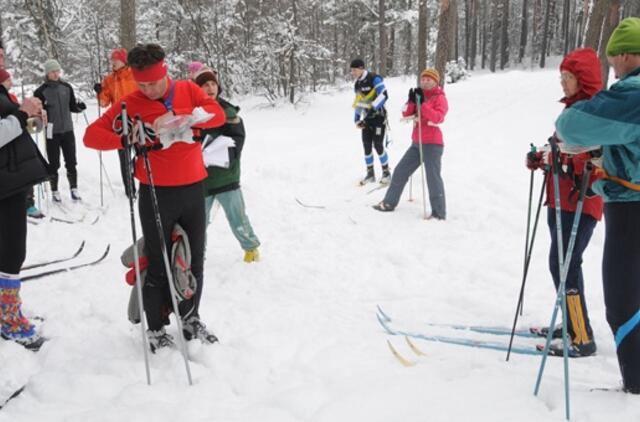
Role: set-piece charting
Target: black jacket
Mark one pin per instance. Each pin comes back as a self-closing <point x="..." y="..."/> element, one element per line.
<point x="60" y="101"/>
<point x="21" y="164"/>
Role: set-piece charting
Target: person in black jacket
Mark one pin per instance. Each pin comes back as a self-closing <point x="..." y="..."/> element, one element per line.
<point x="21" y="166"/>
<point x="60" y="101"/>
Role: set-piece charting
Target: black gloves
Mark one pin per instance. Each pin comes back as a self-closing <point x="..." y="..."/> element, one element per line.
<point x="415" y="92"/>
<point x="81" y="106"/>
<point x="97" y="87"/>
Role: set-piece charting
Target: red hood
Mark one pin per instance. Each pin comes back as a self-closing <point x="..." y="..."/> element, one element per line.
<point x="584" y="64"/>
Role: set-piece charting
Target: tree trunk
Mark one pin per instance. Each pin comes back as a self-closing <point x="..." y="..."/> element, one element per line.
<point x="485" y="30"/>
<point x="612" y="20"/>
<point x="495" y="33"/>
<point x="474" y="34"/>
<point x="127" y="24"/>
<point x="422" y="36"/>
<point x="448" y="14"/>
<point x="594" y="26"/>
<point x="545" y="33"/>
<point x="504" y="38"/>
<point x="382" y="39"/>
<point x="523" y="30"/>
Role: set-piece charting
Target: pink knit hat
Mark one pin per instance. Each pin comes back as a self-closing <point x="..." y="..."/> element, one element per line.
<point x="194" y="67"/>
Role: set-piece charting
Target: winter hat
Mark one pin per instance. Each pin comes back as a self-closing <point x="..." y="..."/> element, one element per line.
<point x="119" y="54"/>
<point x="4" y="75"/>
<point x="431" y="73"/>
<point x="625" y="38"/>
<point x="206" y="74"/>
<point x="584" y="64"/>
<point x="357" y="64"/>
<point x="51" y="65"/>
<point x="194" y="67"/>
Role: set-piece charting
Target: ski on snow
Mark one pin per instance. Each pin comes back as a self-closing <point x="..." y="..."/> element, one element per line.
<point x="66" y="269"/>
<point x="55" y="261"/>
<point x="496" y="331"/>
<point x="13" y="396"/>
<point x="384" y="321"/>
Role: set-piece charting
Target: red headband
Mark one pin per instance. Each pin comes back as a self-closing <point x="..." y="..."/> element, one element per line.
<point x="152" y="73"/>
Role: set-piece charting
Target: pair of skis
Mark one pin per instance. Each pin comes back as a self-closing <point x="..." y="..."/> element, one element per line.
<point x="71" y="257"/>
<point x="386" y="323"/>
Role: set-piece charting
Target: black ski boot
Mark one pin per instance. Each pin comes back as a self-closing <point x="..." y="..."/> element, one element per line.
<point x="369" y="178"/>
<point x="193" y="328"/>
<point x="159" y="339"/>
<point x="386" y="175"/>
<point x="574" y="350"/>
<point x="543" y="331"/>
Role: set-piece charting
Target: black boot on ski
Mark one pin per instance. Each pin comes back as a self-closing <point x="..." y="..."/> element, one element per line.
<point x="369" y="178"/>
<point x="574" y="350"/>
<point x="193" y="328"/>
<point x="159" y="339"/>
<point x="386" y="176"/>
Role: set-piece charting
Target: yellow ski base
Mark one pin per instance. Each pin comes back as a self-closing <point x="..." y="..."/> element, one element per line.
<point x="398" y="356"/>
<point x="414" y="348"/>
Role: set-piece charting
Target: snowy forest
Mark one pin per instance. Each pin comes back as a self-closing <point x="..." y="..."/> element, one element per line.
<point x="285" y="48"/>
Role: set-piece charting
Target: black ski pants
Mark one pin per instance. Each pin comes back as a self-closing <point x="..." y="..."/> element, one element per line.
<point x="373" y="137"/>
<point x="67" y="143"/>
<point x="578" y="322"/>
<point x="621" y="278"/>
<point x="13" y="233"/>
<point x="178" y="204"/>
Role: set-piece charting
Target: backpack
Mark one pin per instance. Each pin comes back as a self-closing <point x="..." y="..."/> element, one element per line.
<point x="184" y="281"/>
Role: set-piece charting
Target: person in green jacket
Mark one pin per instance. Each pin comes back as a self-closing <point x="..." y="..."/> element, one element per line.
<point x="223" y="180"/>
<point x="612" y="119"/>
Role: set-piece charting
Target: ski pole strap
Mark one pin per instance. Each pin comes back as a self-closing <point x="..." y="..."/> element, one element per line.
<point x="118" y="127"/>
<point x="168" y="102"/>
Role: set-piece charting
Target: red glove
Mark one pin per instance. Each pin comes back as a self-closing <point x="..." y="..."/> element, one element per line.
<point x="535" y="160"/>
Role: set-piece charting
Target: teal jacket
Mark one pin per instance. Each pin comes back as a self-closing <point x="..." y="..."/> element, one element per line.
<point x="611" y="119"/>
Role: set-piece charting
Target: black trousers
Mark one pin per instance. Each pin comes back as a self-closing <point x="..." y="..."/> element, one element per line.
<point x="67" y="143"/>
<point x="373" y="136"/>
<point x="179" y="204"/>
<point x="621" y="278"/>
<point x="578" y="321"/>
<point x="13" y="233"/>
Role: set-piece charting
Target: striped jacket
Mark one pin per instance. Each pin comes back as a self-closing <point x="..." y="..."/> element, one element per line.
<point x="611" y="119"/>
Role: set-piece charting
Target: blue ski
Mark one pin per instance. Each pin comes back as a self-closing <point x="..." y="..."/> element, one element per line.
<point x="480" y="344"/>
<point x="496" y="331"/>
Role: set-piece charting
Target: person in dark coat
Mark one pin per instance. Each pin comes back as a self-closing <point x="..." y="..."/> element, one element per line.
<point x="21" y="166"/>
<point x="60" y="101"/>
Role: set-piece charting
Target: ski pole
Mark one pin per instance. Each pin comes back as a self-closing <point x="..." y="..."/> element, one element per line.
<point x="101" y="164"/>
<point x="163" y="245"/>
<point x="136" y="258"/>
<point x="411" y="188"/>
<point x="526" y="240"/>
<point x="527" y="261"/>
<point x="561" y="299"/>
<point x="422" y="175"/>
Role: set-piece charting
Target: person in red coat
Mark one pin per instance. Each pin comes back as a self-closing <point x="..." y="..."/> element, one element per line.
<point x="433" y="109"/>
<point x="581" y="79"/>
<point x="178" y="171"/>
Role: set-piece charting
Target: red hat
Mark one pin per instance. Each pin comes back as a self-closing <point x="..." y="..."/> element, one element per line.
<point x="584" y="64"/>
<point x="119" y="54"/>
<point x="4" y="75"/>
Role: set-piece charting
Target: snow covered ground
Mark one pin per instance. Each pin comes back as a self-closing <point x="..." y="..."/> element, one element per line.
<point x="299" y="337"/>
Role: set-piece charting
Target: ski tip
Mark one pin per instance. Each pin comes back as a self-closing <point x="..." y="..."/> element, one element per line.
<point x="405" y="362"/>
<point x="383" y="314"/>
<point x="414" y="348"/>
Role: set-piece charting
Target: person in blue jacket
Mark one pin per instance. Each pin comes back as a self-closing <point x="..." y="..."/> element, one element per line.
<point x="371" y="118"/>
<point x="612" y="119"/>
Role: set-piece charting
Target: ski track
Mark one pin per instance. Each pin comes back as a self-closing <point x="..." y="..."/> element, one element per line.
<point x="299" y="338"/>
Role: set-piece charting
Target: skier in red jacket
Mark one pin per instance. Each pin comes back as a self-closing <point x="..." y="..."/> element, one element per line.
<point x="581" y="79"/>
<point x="178" y="171"/>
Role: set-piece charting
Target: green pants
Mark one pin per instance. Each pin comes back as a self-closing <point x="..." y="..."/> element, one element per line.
<point x="233" y="204"/>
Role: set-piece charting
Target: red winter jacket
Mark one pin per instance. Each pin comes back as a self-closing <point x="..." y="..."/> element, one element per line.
<point x="432" y="113"/>
<point x="181" y="163"/>
<point x="583" y="63"/>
